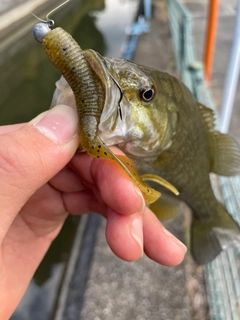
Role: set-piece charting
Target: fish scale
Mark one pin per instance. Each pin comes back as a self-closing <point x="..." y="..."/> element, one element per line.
<point x="200" y="201"/>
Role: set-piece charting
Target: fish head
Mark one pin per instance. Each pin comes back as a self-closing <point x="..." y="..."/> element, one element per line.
<point x="147" y="116"/>
<point x="138" y="115"/>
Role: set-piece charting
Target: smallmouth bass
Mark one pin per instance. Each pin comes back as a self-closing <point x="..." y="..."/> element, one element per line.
<point x="155" y="120"/>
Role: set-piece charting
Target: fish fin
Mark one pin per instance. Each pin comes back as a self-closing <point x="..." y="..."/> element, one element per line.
<point x="208" y="116"/>
<point x="161" y="181"/>
<point x="211" y="235"/>
<point x="225" y="154"/>
<point x="166" y="207"/>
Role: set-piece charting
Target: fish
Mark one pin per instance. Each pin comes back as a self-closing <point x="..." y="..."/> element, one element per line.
<point x="87" y="80"/>
<point x="155" y="120"/>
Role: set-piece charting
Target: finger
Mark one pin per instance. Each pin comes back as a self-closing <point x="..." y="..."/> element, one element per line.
<point x="32" y="155"/>
<point x="124" y="234"/>
<point x="160" y="245"/>
<point x="115" y="187"/>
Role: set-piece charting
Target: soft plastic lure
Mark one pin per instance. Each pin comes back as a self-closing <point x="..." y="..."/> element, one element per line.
<point x="86" y="80"/>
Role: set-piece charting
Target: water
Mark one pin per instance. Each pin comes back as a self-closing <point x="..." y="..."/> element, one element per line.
<point x="27" y="82"/>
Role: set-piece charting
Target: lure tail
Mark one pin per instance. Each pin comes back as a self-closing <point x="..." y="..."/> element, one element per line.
<point x="209" y="236"/>
<point x="101" y="150"/>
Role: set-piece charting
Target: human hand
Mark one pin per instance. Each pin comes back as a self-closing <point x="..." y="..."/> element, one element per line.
<point x="39" y="187"/>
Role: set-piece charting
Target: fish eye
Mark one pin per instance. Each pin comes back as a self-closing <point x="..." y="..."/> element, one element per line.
<point x="147" y="94"/>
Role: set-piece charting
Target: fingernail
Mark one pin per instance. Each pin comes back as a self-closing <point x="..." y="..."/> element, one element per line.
<point x="143" y="204"/>
<point x="137" y="232"/>
<point x="175" y="240"/>
<point x="58" y="124"/>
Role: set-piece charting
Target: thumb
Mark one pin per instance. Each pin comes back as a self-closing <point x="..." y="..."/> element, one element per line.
<point x="32" y="155"/>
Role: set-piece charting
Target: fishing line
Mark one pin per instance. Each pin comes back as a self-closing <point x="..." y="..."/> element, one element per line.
<point x="121" y="95"/>
<point x="49" y="21"/>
